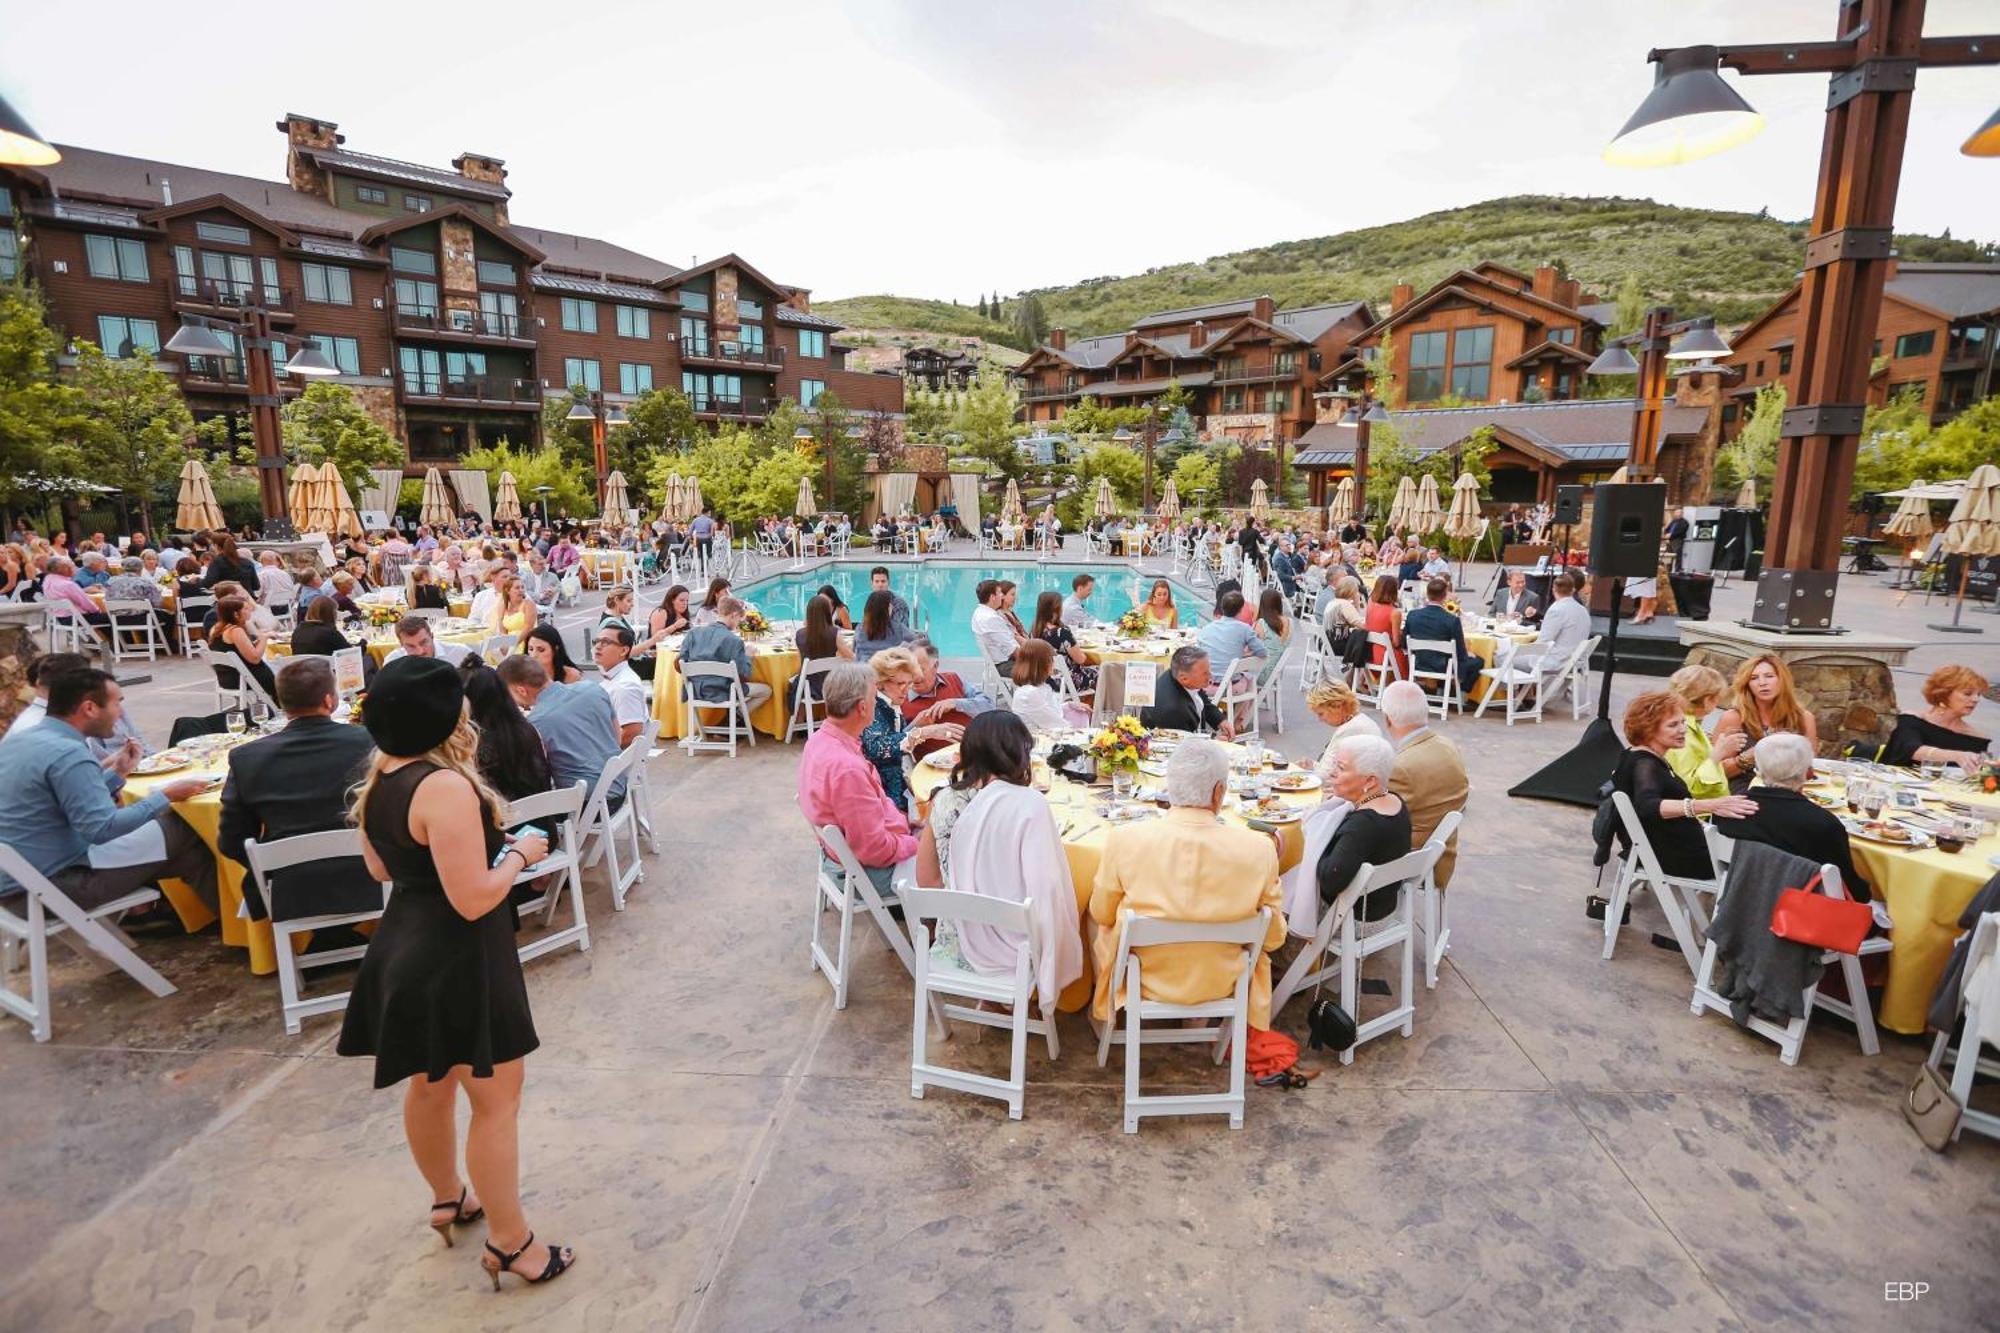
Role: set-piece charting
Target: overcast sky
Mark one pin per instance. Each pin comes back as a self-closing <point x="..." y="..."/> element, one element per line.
<point x="934" y="148"/>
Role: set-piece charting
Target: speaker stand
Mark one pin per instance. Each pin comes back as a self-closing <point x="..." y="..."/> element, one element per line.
<point x="1585" y="767"/>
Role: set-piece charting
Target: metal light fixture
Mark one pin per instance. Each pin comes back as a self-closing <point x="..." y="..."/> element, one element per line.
<point x="580" y="410"/>
<point x="802" y="435"/>
<point x="616" y="417"/>
<point x="1613" y="360"/>
<point x="1690" y="114"/>
<point x="198" y="340"/>
<point x="20" y="146"/>
<point x="1985" y="141"/>
<point x="1700" y="343"/>
<point x="1122" y="435"/>
<point x="310" y="361"/>
<point x="1375" y="414"/>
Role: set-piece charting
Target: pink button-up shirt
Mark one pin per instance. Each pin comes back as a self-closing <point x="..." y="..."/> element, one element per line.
<point x="63" y="588"/>
<point x="839" y="786"/>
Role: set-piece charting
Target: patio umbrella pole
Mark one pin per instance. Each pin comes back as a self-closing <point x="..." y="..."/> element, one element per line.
<point x="1958" y="607"/>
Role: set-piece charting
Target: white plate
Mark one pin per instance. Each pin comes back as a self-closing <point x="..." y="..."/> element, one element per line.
<point x="944" y="758"/>
<point x="1282" y="815"/>
<point x="1305" y="782"/>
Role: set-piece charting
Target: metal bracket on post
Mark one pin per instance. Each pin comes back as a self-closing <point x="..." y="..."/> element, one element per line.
<point x="1849" y="243"/>
<point x="1821" y="419"/>
<point x="271" y="462"/>
<point x="266" y="400"/>
<point x="1884" y="74"/>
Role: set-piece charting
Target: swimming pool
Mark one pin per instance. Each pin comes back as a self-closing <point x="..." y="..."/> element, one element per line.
<point x="940" y="592"/>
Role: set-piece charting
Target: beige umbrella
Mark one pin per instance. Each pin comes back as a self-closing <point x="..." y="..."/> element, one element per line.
<point x="1170" y="502"/>
<point x="1106" y="503"/>
<point x="1973" y="529"/>
<point x="318" y="509"/>
<point x="195" y="509"/>
<point x="617" y="505"/>
<point x="507" y="507"/>
<point x="1342" y="507"/>
<point x="1620" y="477"/>
<point x="1429" y="516"/>
<point x="691" y="502"/>
<point x="805" y="508"/>
<point x="1463" y="521"/>
<point x="436" y="509"/>
<point x="670" y="507"/>
<point x="1912" y="518"/>
<point x="1746" y="494"/>
<point x="1011" y="506"/>
<point x="1260" y="499"/>
<point x="342" y="520"/>
<point x="1401" y="508"/>
<point x="298" y="496"/>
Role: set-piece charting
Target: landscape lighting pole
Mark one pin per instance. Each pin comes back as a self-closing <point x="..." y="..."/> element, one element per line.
<point x="1152" y="437"/>
<point x="1365" y="413"/>
<point x="590" y="407"/>
<point x="1691" y="113"/>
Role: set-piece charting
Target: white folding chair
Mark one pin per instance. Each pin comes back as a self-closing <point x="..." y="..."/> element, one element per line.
<point x="1269" y="693"/>
<point x="1792" y="1035"/>
<point x="66" y="631"/>
<point x="935" y="978"/>
<point x="641" y="785"/>
<point x="841" y="892"/>
<point x="994" y="685"/>
<point x="1348" y="943"/>
<point x="603" y="825"/>
<point x="700" y="734"/>
<point x="1518" y="679"/>
<point x="135" y="630"/>
<point x="1678" y="895"/>
<point x="1575" y="675"/>
<point x="496" y="647"/>
<point x="544" y="810"/>
<point x="1371" y="678"/>
<point x="1434" y="905"/>
<point x="1318" y="661"/>
<point x="86" y="930"/>
<point x="1980" y="1005"/>
<point x="1238" y="700"/>
<point x="807" y="711"/>
<point x="284" y="853"/>
<point x="187" y="621"/>
<point x="1448" y="693"/>
<point x="1228" y="1036"/>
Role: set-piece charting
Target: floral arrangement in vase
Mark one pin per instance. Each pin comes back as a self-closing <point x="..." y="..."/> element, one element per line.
<point x="1135" y="624"/>
<point x="754" y="622"/>
<point x="1120" y="746"/>
<point x="1451" y="605"/>
<point x="1987" y="779"/>
<point x="381" y="616"/>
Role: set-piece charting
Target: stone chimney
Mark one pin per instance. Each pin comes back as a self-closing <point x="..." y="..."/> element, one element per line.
<point x="306" y="132"/>
<point x="1401" y="297"/>
<point x="1263" y="308"/>
<point x="798" y="298"/>
<point x="1546" y="283"/>
<point x="1198" y="335"/>
<point x="1059" y="339"/>
<point x="488" y="171"/>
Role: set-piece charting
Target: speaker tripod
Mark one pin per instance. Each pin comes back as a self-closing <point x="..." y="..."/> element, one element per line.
<point x="1582" y="770"/>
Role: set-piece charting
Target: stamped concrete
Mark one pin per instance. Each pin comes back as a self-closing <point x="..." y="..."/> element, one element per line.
<point x="1560" y="1144"/>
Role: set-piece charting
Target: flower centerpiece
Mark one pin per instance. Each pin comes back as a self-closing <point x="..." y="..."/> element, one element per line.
<point x="1451" y="605"/>
<point x="1987" y="779"/>
<point x="1118" y="749"/>
<point x="754" y="621"/>
<point x="1135" y="624"/>
<point x="382" y="615"/>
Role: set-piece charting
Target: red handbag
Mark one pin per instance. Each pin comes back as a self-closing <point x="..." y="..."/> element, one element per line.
<point x="1807" y="916"/>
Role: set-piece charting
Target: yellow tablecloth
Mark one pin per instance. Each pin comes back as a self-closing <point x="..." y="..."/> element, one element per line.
<point x="1075" y="808"/>
<point x="600" y="565"/>
<point x="1483" y="646"/>
<point x="1156" y="648"/>
<point x="775" y="664"/>
<point x="380" y="645"/>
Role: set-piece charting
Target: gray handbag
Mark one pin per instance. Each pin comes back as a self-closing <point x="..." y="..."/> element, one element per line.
<point x="1931" y="1109"/>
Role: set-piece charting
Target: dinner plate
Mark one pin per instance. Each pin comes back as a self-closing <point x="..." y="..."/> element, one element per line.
<point x="1910" y="837"/>
<point x="1296" y="782"/>
<point x="1273" y="813"/>
<point x="944" y="758"/>
<point x="166" y="761"/>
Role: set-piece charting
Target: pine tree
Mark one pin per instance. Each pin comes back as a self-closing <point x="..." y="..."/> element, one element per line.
<point x="982" y="305"/>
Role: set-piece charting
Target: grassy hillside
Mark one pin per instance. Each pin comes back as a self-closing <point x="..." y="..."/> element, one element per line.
<point x="1730" y="264"/>
<point x="915" y="315"/>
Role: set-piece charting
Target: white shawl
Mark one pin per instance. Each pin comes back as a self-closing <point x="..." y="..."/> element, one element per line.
<point x="1300" y="884"/>
<point x="1005" y="845"/>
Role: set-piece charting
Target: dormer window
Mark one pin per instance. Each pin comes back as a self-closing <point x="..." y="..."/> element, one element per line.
<point x="748" y="309"/>
<point x="416" y="203"/>
<point x="225" y="233"/>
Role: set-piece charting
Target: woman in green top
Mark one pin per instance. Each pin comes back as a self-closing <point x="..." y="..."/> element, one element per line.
<point x="1698" y="761"/>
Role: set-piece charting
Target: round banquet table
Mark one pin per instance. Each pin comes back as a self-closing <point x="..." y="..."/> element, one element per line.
<point x="169" y="600"/>
<point x="381" y="642"/>
<point x="1483" y="645"/>
<point x="1925" y="891"/>
<point x="773" y="660"/>
<point x="1102" y="645"/>
<point x="600" y="565"/>
<point x="1082" y="828"/>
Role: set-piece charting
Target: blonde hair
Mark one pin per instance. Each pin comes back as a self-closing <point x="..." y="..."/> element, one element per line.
<point x="1333" y="694"/>
<point x="1787" y="713"/>
<point x="458" y="752"/>
<point x="893" y="662"/>
<point x="1695" y="683"/>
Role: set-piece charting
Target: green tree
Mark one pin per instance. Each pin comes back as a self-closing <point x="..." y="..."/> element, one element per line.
<point x="1127" y="475"/>
<point x="1198" y="479"/>
<point x="326" y="423"/>
<point x="39" y="412"/>
<point x="1961" y="444"/>
<point x="772" y="486"/>
<point x="724" y="463"/>
<point x="1754" y="452"/>
<point x="569" y="489"/>
<point x="1632" y="304"/>
<point x="135" y="430"/>
<point x="924" y="414"/>
<point x="1030" y="319"/>
<point x="985" y="426"/>
<point x="662" y="422"/>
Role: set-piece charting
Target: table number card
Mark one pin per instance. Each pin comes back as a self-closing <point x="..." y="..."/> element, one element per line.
<point x="347" y="672"/>
<point x="1139" y="677"/>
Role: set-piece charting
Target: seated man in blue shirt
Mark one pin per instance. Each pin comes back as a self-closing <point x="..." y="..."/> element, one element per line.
<point x="1433" y="621"/>
<point x="1227" y="639"/>
<point x="59" y="812"/>
<point x="717" y="641"/>
<point x="578" y="723"/>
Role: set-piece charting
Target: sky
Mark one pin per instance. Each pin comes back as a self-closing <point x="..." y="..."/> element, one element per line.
<point x="941" y="149"/>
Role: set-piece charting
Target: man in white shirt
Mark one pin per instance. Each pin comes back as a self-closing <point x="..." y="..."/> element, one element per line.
<point x="485" y="608"/>
<point x="991" y="627"/>
<point x="631" y="699"/>
<point x="541" y="585"/>
<point x="1074" y="613"/>
<point x="1564" y="625"/>
<point x="276" y="588"/>
<point x="1517" y="601"/>
<point x="1435" y="563"/>
<point x="414" y="639"/>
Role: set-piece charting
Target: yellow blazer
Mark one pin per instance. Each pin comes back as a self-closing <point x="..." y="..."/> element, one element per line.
<point x="1430" y="777"/>
<point x="1186" y="867"/>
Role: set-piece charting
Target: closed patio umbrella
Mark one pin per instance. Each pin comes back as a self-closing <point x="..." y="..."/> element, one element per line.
<point x="1260" y="499"/>
<point x="617" y="505"/>
<point x="507" y="507"/>
<point x="436" y="509"/>
<point x="195" y="509"/>
<point x="1011" y="507"/>
<point x="342" y="520"/>
<point x="670" y="505"/>
<point x="805" y="507"/>
<point x="1401" y="508"/>
<point x="1746" y="494"/>
<point x="298" y="495"/>
<point x="1170" y="502"/>
<point x="1342" y="507"/>
<point x="319" y="501"/>
<point x="1463" y="522"/>
<point x="1973" y="530"/>
<point x="1106" y="504"/>
<point x="1911" y="524"/>
<point x="691" y="502"/>
<point x="1430" y="509"/>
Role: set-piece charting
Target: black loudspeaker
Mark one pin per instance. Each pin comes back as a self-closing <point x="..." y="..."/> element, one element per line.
<point x="1625" y="524"/>
<point x="1569" y="505"/>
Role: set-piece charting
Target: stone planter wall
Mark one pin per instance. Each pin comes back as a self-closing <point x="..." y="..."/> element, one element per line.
<point x="1852" y="698"/>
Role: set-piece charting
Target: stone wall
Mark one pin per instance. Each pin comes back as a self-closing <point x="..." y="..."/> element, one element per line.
<point x="17" y="649"/>
<point x="379" y="402"/>
<point x="722" y="306"/>
<point x="1851" y="698"/>
<point x="460" y="272"/>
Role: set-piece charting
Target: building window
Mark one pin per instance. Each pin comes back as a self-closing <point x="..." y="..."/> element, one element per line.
<point x="749" y="309"/>
<point x="1286" y="363"/>
<point x="1728" y="413"/>
<point x="416" y="297"/>
<point x="582" y="370"/>
<point x="692" y="300"/>
<point x="416" y="203"/>
<point x="1760" y="368"/>
<point x="751" y="338"/>
<point x="328" y="284"/>
<point x="1916" y="344"/>
<point x="728" y="390"/>
<point x="694" y="336"/>
<point x="1278" y="400"/>
<point x="809" y="391"/>
<point x="694" y="384"/>
<point x="1426" y="372"/>
<point x="343" y="352"/>
<point x="1915" y="388"/>
<point x="122" y="336"/>
<point x="423" y="371"/>
<point x="493" y="273"/>
<point x="6" y="202"/>
<point x="116" y="257"/>
<point x="1232" y="400"/>
<point x="812" y="342"/>
<point x="1472" y="362"/>
<point x="634" y="322"/>
<point x="413" y="261"/>
<point x="10" y="255"/>
<point x="464" y="367"/>
<point x="634" y="379"/>
<point x="1875" y="349"/>
<point x="1564" y="385"/>
<point x="502" y="312"/>
<point x="579" y="316"/>
<point x="1784" y="361"/>
<point x="1567" y="337"/>
<point x="371" y="194"/>
<point x="223" y="232"/>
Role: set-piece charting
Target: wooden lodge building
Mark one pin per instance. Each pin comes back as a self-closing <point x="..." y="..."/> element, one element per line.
<point x="448" y="319"/>
<point x="939" y="368"/>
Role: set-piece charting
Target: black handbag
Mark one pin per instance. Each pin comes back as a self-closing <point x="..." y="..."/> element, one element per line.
<point x="1331" y="1027"/>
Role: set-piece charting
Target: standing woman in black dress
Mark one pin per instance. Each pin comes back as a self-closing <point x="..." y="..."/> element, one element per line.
<point x="440" y="999"/>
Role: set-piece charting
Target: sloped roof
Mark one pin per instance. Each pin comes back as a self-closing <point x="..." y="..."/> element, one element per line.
<point x="472" y="217"/>
<point x="587" y="253"/>
<point x="1222" y="310"/>
<point x="409" y="173"/>
<point x="1548" y="348"/>
<point x="1084" y="353"/>
<point x="1585" y="430"/>
<point x="1957" y="290"/>
<point x="546" y="281"/>
<point x="1128" y="388"/>
<point x="807" y="319"/>
<point x="1310" y="321"/>
<point x="1599" y="312"/>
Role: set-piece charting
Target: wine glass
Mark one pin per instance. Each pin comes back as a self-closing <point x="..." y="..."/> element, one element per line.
<point x="1872" y="797"/>
<point x="237" y="720"/>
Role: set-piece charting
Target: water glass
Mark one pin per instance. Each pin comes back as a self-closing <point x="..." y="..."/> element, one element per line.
<point x="1872" y="796"/>
<point x="1255" y="746"/>
<point x="1121" y="784"/>
<point x="236" y="720"/>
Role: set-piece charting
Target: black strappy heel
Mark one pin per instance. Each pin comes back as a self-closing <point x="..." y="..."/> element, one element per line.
<point x="560" y="1259"/>
<point x="459" y="1217"/>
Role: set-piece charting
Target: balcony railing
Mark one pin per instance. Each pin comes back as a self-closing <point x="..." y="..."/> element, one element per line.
<point x="722" y="405"/>
<point x="1243" y="374"/>
<point x="464" y="323"/>
<point x="471" y="389"/>
<point x="224" y="370"/>
<point x="228" y="294"/>
<point x="1039" y="391"/>
<point x="742" y="354"/>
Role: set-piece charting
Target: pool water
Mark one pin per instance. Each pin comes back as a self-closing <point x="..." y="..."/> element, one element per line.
<point x="940" y="593"/>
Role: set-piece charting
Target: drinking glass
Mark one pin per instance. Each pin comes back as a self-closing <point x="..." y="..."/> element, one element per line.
<point x="1872" y="797"/>
<point x="236" y="720"/>
<point x="1121" y="784"/>
<point x="1255" y="746"/>
<point x="1854" y="787"/>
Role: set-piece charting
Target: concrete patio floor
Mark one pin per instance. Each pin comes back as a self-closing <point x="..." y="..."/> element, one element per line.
<point x="1560" y="1144"/>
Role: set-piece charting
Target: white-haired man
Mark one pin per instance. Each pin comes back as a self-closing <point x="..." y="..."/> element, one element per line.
<point x="1786" y="817"/>
<point x="276" y="588"/>
<point x="1430" y="772"/>
<point x="838" y="784"/>
<point x="1188" y="867"/>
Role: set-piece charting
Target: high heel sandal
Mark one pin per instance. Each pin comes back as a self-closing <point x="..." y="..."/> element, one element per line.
<point x="459" y="1217"/>
<point x="560" y="1259"/>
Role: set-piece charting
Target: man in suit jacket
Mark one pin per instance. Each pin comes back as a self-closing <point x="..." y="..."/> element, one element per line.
<point x="1430" y="772"/>
<point x="1433" y="621"/>
<point x="1178" y="698"/>
<point x="297" y="782"/>
<point x="1517" y="599"/>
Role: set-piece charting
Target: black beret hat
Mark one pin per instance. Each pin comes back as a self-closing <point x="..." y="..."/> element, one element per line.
<point x="414" y="705"/>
